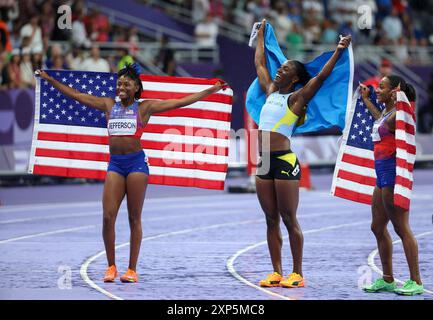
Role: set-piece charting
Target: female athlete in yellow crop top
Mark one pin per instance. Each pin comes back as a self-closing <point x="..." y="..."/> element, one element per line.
<point x="277" y="179"/>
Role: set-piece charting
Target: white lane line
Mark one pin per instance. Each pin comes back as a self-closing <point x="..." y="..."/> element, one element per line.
<point x="213" y="213"/>
<point x="223" y="197"/>
<point x="201" y="201"/>
<point x="45" y="206"/>
<point x="163" y="207"/>
<point x="85" y="265"/>
<point x="375" y="252"/>
<point x="123" y="210"/>
<point x="234" y="273"/>
<point x="164" y="218"/>
<point x="46" y="233"/>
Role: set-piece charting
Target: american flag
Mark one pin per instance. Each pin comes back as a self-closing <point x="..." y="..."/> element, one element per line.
<point x="185" y="147"/>
<point x="354" y="174"/>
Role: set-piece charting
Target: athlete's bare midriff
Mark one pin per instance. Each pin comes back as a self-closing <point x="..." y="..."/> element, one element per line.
<point x="124" y="145"/>
<point x="272" y="141"/>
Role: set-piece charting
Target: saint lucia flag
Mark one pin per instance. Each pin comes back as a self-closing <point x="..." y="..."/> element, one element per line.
<point x="328" y="107"/>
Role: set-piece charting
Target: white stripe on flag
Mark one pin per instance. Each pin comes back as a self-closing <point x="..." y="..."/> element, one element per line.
<point x="404" y="173"/>
<point x="190" y="122"/>
<point x="180" y="87"/>
<point x="177" y="138"/>
<point x="404" y="136"/>
<point x="210" y="106"/>
<point x="188" y="173"/>
<point x="402" y="154"/>
<point x="164" y="154"/>
<point x="186" y="156"/>
<point x="406" y="117"/>
<point x="401" y="96"/>
<point x="353" y="168"/>
<point x="354" y="186"/>
<point x="362" y="153"/>
<point x="55" y="128"/>
<point x="72" y="146"/>
<point x="206" y="106"/>
<point x="71" y="163"/>
<point x="99" y="165"/>
<point x="403" y="191"/>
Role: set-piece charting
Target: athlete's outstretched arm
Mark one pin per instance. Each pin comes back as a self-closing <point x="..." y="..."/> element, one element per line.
<point x="155" y="106"/>
<point x="365" y="94"/>
<point x="301" y="97"/>
<point x="99" y="103"/>
<point x="265" y="80"/>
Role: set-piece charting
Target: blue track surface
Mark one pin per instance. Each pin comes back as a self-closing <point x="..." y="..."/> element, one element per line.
<point x="197" y="244"/>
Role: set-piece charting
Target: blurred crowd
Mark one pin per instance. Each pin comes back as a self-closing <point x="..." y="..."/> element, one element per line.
<point x="399" y="23"/>
<point x="28" y="26"/>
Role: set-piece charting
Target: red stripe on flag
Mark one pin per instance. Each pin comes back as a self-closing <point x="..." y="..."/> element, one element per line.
<point x="352" y="195"/>
<point x="405" y="146"/>
<point x="67" y="154"/>
<point x="172" y="163"/>
<point x="404" y="182"/>
<point x="69" y="172"/>
<point x="402" y="163"/>
<point x="363" y="162"/>
<point x="105" y="157"/>
<point x="77" y="138"/>
<point x="165" y="95"/>
<point x="401" y="201"/>
<point x="196" y="113"/>
<point x="184" y="147"/>
<point x="182" y="80"/>
<point x="186" y="182"/>
<point x="403" y="106"/>
<point x="401" y="125"/>
<point x="369" y="181"/>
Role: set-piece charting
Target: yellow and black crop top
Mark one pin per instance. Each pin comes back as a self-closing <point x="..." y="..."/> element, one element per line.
<point x="276" y="115"/>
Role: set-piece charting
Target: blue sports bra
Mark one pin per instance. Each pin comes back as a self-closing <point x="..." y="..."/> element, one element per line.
<point x="125" y="121"/>
<point x="276" y="115"/>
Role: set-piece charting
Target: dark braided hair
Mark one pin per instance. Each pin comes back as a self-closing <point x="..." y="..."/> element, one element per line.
<point x="132" y="71"/>
<point x="302" y="72"/>
<point x="407" y="88"/>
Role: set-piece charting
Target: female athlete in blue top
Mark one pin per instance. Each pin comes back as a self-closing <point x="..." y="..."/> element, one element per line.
<point x="127" y="172"/>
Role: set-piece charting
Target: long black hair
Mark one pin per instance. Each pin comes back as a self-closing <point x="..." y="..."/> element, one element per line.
<point x="132" y="71"/>
<point x="407" y="88"/>
<point x="302" y="73"/>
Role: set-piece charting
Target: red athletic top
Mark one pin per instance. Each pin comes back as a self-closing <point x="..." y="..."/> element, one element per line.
<point x="384" y="140"/>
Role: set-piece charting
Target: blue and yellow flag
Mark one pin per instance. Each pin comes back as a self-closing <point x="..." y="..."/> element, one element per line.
<point x="327" y="108"/>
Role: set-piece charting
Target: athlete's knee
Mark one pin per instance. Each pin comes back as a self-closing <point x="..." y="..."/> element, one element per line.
<point x="109" y="218"/>
<point x="273" y="221"/>
<point x="290" y="221"/>
<point x="378" y="229"/>
<point x="400" y="229"/>
<point x="134" y="220"/>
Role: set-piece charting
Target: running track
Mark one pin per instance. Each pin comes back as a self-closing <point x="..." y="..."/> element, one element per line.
<point x="197" y="244"/>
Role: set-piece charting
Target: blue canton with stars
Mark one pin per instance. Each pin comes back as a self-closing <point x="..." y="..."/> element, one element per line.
<point x="361" y="128"/>
<point x="56" y="108"/>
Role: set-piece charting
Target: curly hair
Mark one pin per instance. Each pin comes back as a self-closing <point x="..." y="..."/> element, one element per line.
<point x="132" y="71"/>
